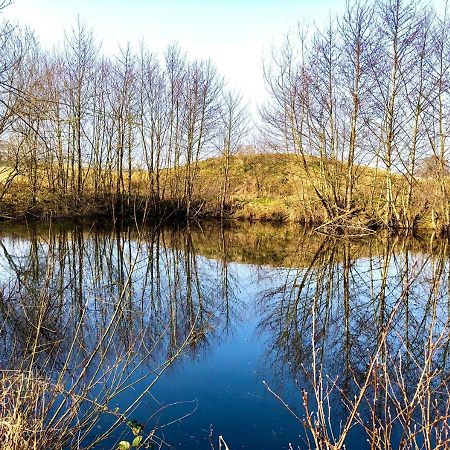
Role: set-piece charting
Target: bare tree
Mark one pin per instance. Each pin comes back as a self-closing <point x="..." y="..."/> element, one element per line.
<point x="234" y="127"/>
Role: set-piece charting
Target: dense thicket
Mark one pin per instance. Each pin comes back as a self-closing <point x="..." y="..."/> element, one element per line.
<point x="370" y="87"/>
<point x="80" y="129"/>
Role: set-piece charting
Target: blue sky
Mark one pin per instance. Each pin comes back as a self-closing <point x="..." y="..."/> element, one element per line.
<point x="234" y="34"/>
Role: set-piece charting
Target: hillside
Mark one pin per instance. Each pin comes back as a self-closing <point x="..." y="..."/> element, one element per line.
<point x="276" y="186"/>
<point x="264" y="187"/>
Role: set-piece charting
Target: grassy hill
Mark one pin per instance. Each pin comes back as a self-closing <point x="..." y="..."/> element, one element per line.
<point x="264" y="187"/>
<point x="276" y="186"/>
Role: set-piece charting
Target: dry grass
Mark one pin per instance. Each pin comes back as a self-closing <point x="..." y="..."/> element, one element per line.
<point x="22" y="406"/>
<point x="263" y="187"/>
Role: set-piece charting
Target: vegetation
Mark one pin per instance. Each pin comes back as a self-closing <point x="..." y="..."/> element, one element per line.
<point x="75" y="337"/>
<point x="370" y="87"/>
<point x="351" y="331"/>
<point x="355" y="125"/>
<point x="354" y="137"/>
<point x="82" y="133"/>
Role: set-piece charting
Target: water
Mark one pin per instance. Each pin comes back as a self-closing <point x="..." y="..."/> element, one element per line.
<point x="229" y="309"/>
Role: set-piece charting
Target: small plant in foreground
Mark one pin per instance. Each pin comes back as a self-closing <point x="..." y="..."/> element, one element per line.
<point x="136" y="429"/>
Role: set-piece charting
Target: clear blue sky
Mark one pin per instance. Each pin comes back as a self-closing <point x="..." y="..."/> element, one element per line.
<point x="234" y="34"/>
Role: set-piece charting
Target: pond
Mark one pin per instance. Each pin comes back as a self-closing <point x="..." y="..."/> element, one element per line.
<point x="242" y="331"/>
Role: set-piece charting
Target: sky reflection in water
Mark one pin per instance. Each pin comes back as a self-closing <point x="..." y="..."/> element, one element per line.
<point x="251" y="296"/>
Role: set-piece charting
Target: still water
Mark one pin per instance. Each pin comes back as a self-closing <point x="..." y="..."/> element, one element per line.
<point x="184" y="329"/>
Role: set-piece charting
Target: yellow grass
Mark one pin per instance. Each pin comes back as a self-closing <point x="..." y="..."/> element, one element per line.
<point x="272" y="187"/>
<point x="22" y="398"/>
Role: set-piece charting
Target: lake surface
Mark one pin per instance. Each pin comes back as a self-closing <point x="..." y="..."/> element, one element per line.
<point x="178" y="328"/>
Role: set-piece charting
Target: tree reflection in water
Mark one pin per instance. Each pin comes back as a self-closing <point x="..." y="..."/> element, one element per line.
<point x="364" y="329"/>
<point x="98" y="311"/>
<point x="102" y="312"/>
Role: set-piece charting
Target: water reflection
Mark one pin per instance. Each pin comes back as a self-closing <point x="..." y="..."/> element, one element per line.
<point x="74" y="277"/>
<point x="364" y="330"/>
<point x="102" y="306"/>
<point x="347" y="295"/>
<point x="107" y="311"/>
